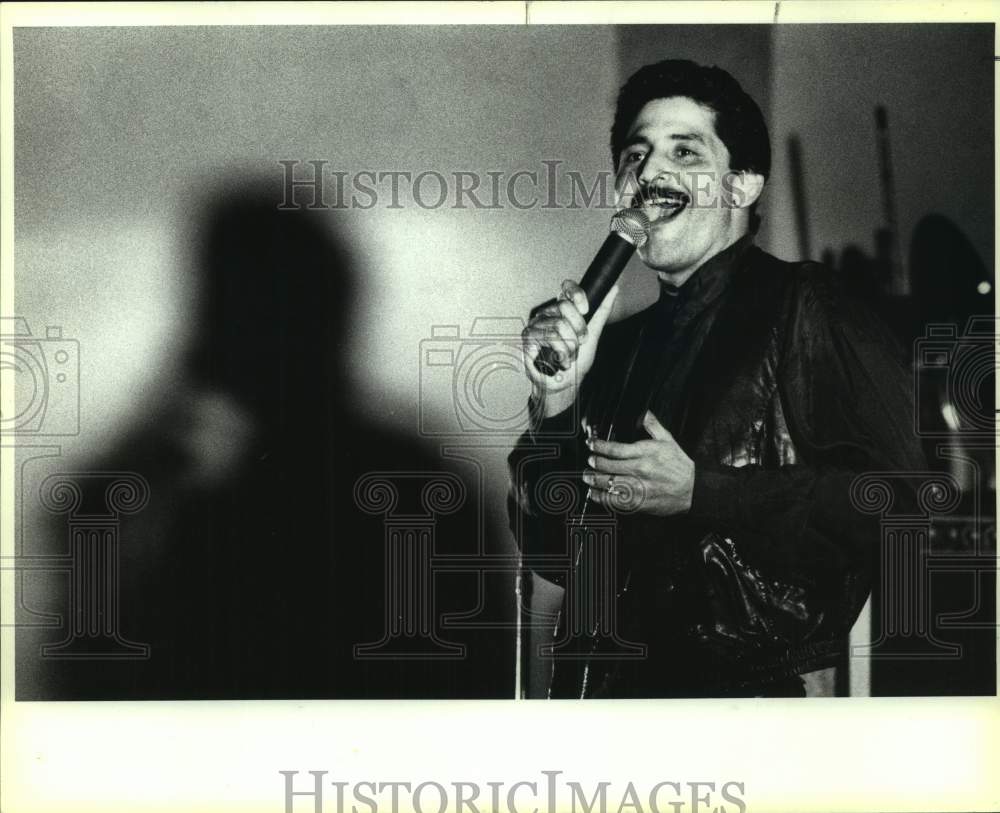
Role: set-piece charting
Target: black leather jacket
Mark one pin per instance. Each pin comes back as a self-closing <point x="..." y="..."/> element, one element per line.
<point x="782" y="390"/>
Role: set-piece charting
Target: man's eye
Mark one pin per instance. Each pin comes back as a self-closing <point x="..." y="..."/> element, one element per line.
<point x="684" y="152"/>
<point x="631" y="157"/>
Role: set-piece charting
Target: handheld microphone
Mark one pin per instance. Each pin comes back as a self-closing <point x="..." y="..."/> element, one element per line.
<point x="629" y="231"/>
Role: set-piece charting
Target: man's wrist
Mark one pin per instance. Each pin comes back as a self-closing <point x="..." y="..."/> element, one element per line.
<point x="552" y="403"/>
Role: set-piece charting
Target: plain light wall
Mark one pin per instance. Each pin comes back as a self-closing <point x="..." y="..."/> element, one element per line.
<point x="117" y="130"/>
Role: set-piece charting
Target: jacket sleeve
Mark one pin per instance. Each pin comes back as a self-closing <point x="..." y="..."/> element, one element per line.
<point x="847" y="396"/>
<point x="546" y="490"/>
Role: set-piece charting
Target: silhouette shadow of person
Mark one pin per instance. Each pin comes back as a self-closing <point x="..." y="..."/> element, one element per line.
<point x="263" y="557"/>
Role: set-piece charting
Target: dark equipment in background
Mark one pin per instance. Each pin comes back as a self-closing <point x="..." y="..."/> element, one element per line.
<point x="941" y="307"/>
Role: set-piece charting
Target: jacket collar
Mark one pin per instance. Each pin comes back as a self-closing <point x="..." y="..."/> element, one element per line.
<point x="708" y="282"/>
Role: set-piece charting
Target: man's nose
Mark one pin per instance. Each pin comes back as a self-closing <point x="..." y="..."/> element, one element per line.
<point x="656" y="165"/>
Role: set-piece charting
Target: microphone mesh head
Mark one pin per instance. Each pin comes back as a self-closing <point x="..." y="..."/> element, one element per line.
<point x="632" y="224"/>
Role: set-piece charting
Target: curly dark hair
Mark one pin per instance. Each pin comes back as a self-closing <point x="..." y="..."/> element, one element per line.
<point x="739" y="122"/>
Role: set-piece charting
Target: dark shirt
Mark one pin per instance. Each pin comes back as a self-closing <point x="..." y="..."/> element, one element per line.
<point x="670" y="336"/>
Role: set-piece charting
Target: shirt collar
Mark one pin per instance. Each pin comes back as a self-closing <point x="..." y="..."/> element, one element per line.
<point x="710" y="280"/>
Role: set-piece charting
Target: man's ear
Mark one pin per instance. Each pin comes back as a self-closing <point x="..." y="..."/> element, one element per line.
<point x="743" y="188"/>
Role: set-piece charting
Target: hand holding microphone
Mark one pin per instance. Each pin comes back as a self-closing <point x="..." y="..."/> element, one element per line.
<point x="559" y="345"/>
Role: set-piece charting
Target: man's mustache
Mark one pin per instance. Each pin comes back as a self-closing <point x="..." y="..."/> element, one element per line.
<point x="660" y="193"/>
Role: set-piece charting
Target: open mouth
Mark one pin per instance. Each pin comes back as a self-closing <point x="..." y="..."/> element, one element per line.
<point x="662" y="204"/>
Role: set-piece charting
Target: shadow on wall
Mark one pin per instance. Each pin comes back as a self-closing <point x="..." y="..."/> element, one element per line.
<point x="284" y="526"/>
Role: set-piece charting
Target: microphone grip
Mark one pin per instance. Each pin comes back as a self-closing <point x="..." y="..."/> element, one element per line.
<point x="598" y="279"/>
<point x="605" y="270"/>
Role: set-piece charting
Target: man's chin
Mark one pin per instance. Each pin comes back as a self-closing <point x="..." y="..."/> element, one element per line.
<point x="666" y="259"/>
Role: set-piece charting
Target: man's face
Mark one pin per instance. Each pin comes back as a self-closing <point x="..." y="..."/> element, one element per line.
<point x="675" y="167"/>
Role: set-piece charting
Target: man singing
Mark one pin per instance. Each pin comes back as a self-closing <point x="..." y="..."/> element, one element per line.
<point x="711" y="547"/>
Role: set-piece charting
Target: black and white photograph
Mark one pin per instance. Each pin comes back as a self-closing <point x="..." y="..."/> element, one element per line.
<point x="643" y="363"/>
